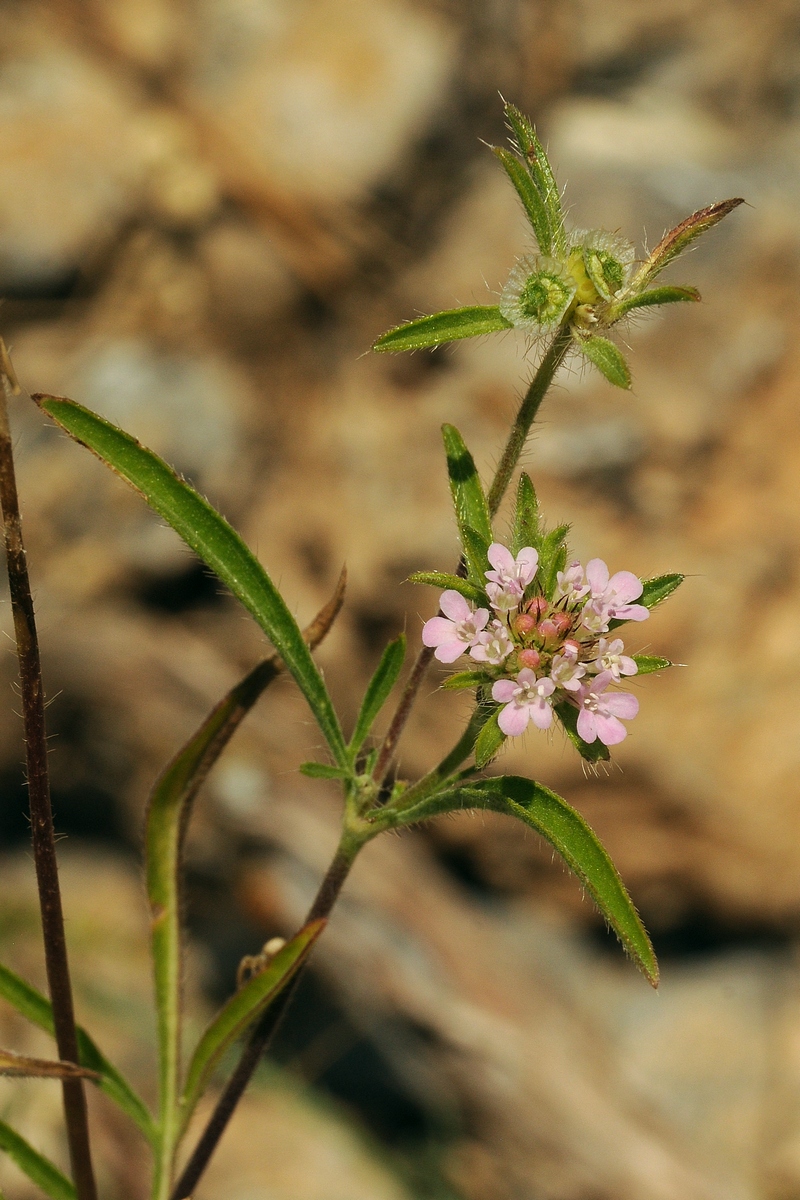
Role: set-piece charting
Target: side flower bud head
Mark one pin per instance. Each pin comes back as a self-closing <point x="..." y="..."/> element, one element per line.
<point x="538" y="293"/>
<point x="526" y="699"/>
<point x="510" y="576"/>
<point x="457" y="630"/>
<point x="609" y="657"/>
<point x="600" y="714"/>
<point x="610" y="599"/>
<point x="493" y="645"/>
<point x="608" y="261"/>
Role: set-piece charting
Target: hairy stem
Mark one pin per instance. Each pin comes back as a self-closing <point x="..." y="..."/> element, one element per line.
<point x="526" y="415"/>
<point x="42" y="831"/>
<point x="261" y="1037"/>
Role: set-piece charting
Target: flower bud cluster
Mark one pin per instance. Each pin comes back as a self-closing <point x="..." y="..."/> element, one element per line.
<point x="537" y="653"/>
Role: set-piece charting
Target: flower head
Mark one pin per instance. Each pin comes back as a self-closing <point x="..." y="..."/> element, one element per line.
<point x="510" y="576"/>
<point x="457" y="630"/>
<point x="493" y="645"/>
<point x="538" y="292"/>
<point x="610" y="599"/>
<point x="525" y="699"/>
<point x="609" y="657"/>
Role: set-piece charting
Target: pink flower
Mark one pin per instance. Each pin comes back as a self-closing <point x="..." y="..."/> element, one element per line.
<point x="510" y="576"/>
<point x="566" y="671"/>
<point x="599" y="714"/>
<point x="572" y="584"/>
<point x="452" y="637"/>
<point x="609" y="657"/>
<point x="611" y="598"/>
<point x="493" y="645"/>
<point x="525" y="700"/>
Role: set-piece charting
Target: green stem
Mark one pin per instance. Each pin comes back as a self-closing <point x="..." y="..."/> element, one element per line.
<point x="440" y="774"/>
<point x="526" y="415"/>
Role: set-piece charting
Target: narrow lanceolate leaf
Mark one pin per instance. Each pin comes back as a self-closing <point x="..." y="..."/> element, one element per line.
<point x="676" y="241"/>
<point x="36" y="1008"/>
<point x="439" y="579"/>
<point x="476" y="553"/>
<point x="488" y="742"/>
<point x="42" y="1068"/>
<point x="469" y="500"/>
<point x="608" y="359"/>
<point x="541" y="173"/>
<point x="241" y="1010"/>
<point x="40" y="1170"/>
<point x="568" y="833"/>
<point x="552" y="559"/>
<point x="465" y="679"/>
<point x="377" y="692"/>
<point x="658" y="588"/>
<point x="526" y="528"/>
<point x="315" y="770"/>
<point x="648" y="663"/>
<point x="427" y="332"/>
<point x="530" y="196"/>
<point x="212" y="539"/>
<point x="590" y="751"/>
<point x="652" y="298"/>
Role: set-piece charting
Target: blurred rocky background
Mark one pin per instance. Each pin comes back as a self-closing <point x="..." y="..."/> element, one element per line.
<point x="208" y="210"/>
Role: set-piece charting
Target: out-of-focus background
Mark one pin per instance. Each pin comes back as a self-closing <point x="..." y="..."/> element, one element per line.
<point x="208" y="210"/>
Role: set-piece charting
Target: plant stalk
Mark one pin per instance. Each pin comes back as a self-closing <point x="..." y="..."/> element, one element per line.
<point x="264" y="1032"/>
<point x="526" y="415"/>
<point x="42" y="830"/>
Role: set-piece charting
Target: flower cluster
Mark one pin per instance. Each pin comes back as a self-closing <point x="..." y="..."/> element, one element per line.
<point x="537" y="653"/>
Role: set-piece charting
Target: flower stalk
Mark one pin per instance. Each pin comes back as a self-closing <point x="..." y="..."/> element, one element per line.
<point x="42" y="829"/>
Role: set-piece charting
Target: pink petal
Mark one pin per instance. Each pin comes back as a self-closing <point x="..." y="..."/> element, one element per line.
<point x="602" y="681"/>
<point x="437" y="630"/>
<point x="627" y="666"/>
<point x="546" y="687"/>
<point x="454" y="606"/>
<point x="528" y="558"/>
<point x="480" y="617"/>
<point x="500" y="557"/>
<point x="542" y="715"/>
<point x="479" y="653"/>
<point x="513" y="719"/>
<point x="622" y="704"/>
<point x="448" y="652"/>
<point x="503" y="690"/>
<point x="624" y="586"/>
<point x="526" y="676"/>
<point x="630" y="612"/>
<point x="597" y="575"/>
<point x="587" y="728"/>
<point x="610" y="731"/>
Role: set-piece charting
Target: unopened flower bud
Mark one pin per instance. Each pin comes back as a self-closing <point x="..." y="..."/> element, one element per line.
<point x="562" y="622"/>
<point x="524" y="624"/>
<point x="537" y="607"/>
<point x="547" y="630"/>
<point x="571" y="648"/>
<point x="529" y="658"/>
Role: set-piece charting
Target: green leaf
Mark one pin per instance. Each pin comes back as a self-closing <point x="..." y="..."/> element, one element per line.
<point x="528" y="193"/>
<point x="442" y="327"/>
<point x="241" y="1010"/>
<point x="455" y="583"/>
<point x="469" y="500"/>
<point x="677" y="240"/>
<point x="552" y="558"/>
<point x="36" y="1008"/>
<point x="378" y="690"/>
<point x="465" y="679"/>
<point x="316" y="770"/>
<point x="212" y="539"/>
<point x="489" y="741"/>
<point x="526" y="527"/>
<point x="592" y="751"/>
<point x="607" y="358"/>
<point x="476" y="552"/>
<point x="657" y="589"/>
<point x="39" y="1169"/>
<point x="566" y="831"/>
<point x="654" y="297"/>
<point x="647" y="663"/>
<point x="541" y="173"/>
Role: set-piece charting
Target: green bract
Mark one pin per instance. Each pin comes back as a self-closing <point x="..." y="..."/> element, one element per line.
<point x="584" y="282"/>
